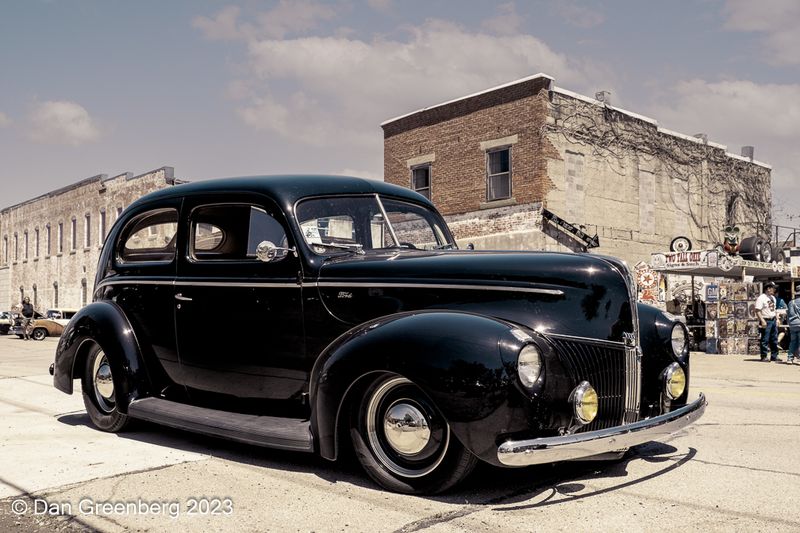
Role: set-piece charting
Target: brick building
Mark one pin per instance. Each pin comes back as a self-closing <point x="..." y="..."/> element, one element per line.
<point x="51" y="243"/>
<point x="528" y="165"/>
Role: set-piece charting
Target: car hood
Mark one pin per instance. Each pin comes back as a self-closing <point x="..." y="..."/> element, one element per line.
<point x="557" y="293"/>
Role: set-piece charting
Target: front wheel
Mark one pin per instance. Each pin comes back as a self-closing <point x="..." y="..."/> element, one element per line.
<point x="39" y="334"/>
<point x="98" y="392"/>
<point x="403" y="442"/>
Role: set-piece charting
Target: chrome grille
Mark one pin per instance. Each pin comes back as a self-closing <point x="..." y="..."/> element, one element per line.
<point x="610" y="369"/>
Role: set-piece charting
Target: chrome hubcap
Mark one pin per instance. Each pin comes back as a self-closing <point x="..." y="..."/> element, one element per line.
<point x="103" y="383"/>
<point x="402" y="435"/>
<point x="406" y="429"/>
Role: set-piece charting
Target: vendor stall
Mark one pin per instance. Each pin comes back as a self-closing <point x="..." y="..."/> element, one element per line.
<point x="716" y="294"/>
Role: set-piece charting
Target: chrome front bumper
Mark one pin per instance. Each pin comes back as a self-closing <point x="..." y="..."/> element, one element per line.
<point x="582" y="445"/>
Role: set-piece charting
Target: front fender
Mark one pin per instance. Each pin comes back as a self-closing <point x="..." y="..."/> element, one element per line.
<point x="655" y="331"/>
<point x="465" y="363"/>
<point x="104" y="323"/>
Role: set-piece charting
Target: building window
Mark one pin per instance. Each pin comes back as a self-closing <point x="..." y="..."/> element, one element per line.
<point x="498" y="174"/>
<point x="36" y="242"/>
<point x="61" y="237"/>
<point x="48" y="237"/>
<point x="84" y="295"/>
<point x="421" y="180"/>
<point x="102" y="227"/>
<point x="16" y="247"/>
<point x="87" y="230"/>
<point x="55" y="294"/>
<point x="74" y="234"/>
<point x="119" y="211"/>
<point x="35" y="296"/>
<point x="5" y="249"/>
<point x="26" y="245"/>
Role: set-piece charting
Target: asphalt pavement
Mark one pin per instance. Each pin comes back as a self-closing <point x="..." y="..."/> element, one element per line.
<point x="736" y="469"/>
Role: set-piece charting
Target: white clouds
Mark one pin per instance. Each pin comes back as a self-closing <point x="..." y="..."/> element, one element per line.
<point x="286" y="18"/>
<point x="580" y="16"/>
<point x="62" y="122"/>
<point x="778" y="20"/>
<point x="4" y="120"/>
<point x="222" y="27"/>
<point x="766" y="116"/>
<point x="338" y="89"/>
<point x="506" y="22"/>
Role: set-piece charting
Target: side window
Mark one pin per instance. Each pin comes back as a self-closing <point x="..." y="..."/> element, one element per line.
<point x="149" y="237"/>
<point x="233" y="232"/>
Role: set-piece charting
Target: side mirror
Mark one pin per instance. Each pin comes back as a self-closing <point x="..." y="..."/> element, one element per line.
<point x="267" y="252"/>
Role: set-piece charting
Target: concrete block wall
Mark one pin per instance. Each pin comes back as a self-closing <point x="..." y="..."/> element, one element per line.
<point x="66" y="275"/>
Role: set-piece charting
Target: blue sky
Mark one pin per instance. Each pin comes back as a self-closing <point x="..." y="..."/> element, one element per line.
<point x="254" y="87"/>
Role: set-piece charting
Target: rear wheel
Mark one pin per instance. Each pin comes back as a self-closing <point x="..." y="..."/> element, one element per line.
<point x="403" y="442"/>
<point x="39" y="334"/>
<point x="98" y="392"/>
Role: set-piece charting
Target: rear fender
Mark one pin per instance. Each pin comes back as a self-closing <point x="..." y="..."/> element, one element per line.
<point x="465" y="363"/>
<point x="104" y="323"/>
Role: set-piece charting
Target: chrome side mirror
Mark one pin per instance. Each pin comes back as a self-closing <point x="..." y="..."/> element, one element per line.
<point x="267" y="252"/>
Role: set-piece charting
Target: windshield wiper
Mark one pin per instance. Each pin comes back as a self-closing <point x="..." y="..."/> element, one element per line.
<point x="357" y="248"/>
<point x="445" y="246"/>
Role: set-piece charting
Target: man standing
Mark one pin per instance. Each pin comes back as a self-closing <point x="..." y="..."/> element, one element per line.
<point x="27" y="317"/>
<point x="794" y="326"/>
<point x="765" y="309"/>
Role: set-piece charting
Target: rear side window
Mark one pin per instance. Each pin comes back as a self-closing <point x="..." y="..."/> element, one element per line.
<point x="150" y="237"/>
<point x="233" y="232"/>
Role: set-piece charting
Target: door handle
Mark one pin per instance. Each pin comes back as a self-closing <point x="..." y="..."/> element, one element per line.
<point x="182" y="298"/>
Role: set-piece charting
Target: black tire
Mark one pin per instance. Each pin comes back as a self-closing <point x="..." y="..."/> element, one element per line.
<point x="428" y="464"/>
<point x="749" y="248"/>
<point x="20" y="336"/>
<point x="680" y="244"/>
<point x="39" y="334"/>
<point x="100" y="405"/>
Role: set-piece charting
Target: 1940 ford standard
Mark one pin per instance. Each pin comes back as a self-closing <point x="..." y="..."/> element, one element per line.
<point x="358" y="322"/>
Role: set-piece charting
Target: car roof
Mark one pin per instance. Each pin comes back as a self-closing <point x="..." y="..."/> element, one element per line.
<point x="287" y="189"/>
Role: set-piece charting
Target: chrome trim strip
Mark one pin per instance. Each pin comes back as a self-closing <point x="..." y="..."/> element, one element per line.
<point x="581" y="445"/>
<point x="134" y="282"/>
<point x="197" y="283"/>
<point x="555" y="292"/>
<point x="234" y="284"/>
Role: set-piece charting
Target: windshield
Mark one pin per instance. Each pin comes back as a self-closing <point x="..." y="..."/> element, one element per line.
<point x="334" y="224"/>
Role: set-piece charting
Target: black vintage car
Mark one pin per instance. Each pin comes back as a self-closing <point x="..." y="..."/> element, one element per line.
<point x="360" y="324"/>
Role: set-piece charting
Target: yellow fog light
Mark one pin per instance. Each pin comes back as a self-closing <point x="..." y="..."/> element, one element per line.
<point x="584" y="402"/>
<point x="674" y="381"/>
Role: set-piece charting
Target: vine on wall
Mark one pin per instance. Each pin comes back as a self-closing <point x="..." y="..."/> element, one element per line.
<point x="716" y="189"/>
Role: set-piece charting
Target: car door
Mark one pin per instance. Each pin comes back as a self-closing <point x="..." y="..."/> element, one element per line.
<point x="238" y="319"/>
<point x="141" y="284"/>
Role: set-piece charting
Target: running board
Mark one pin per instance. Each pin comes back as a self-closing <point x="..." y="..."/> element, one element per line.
<point x="270" y="431"/>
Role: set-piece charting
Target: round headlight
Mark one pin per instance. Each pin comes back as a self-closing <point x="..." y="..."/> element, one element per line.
<point x="584" y="402"/>
<point x="529" y="365"/>
<point x="679" y="339"/>
<point x="674" y="381"/>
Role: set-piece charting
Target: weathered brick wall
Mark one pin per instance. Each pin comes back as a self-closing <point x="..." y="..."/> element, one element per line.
<point x="458" y="169"/>
<point x="619" y="174"/>
<point x="69" y="268"/>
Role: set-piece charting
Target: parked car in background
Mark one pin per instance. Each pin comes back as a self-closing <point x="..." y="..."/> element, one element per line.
<point x="360" y="324"/>
<point x="50" y="325"/>
<point x="6" y="321"/>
